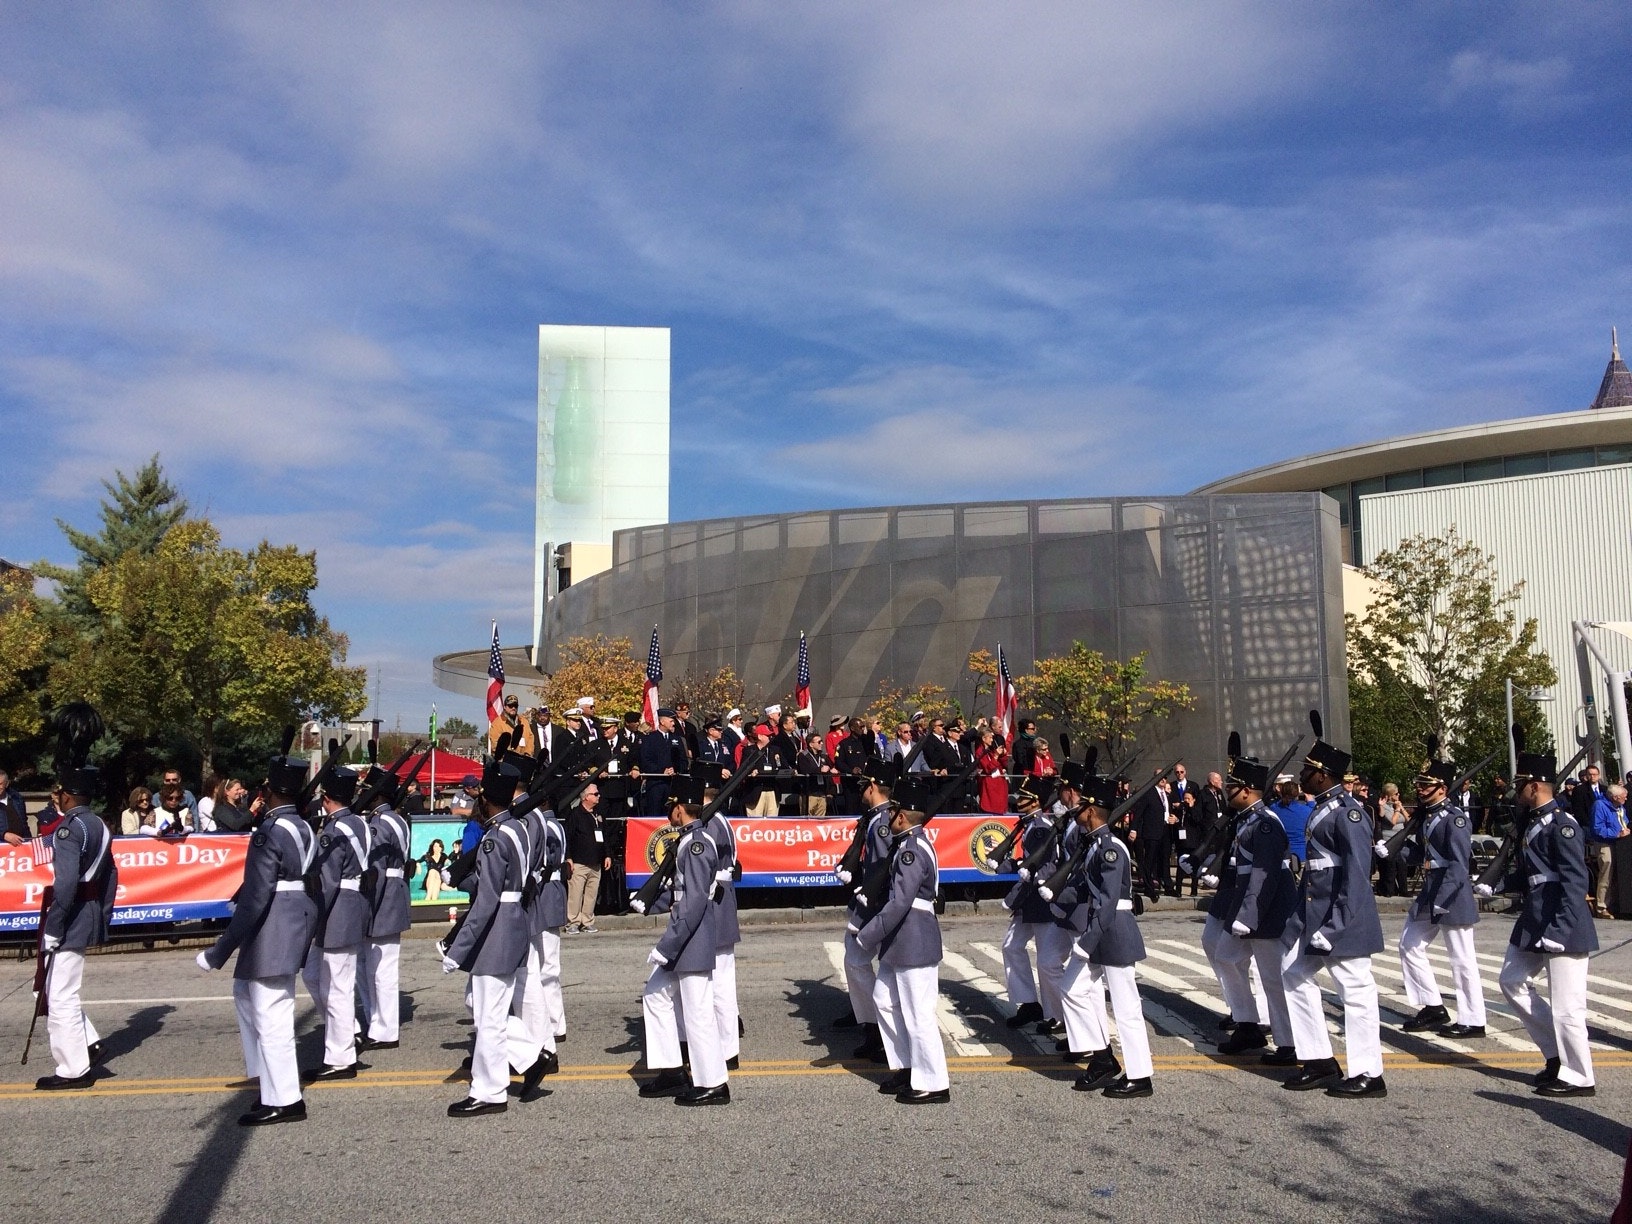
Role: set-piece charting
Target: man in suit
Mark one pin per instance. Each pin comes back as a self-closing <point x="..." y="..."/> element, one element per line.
<point x="1584" y="798"/>
<point x="547" y="735"/>
<point x="940" y="753"/>
<point x="1149" y="833"/>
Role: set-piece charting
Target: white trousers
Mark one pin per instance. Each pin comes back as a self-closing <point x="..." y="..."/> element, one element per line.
<point x="725" y="1001"/>
<point x="331" y="980"/>
<point x="1558" y="1025"/>
<point x="1017" y="976"/>
<point x="1268" y="989"/>
<point x="378" y="986"/>
<point x="1356" y="990"/>
<point x="1087" y="1029"/>
<point x="531" y="1027"/>
<point x="905" y="1000"/>
<point x="1053" y="950"/>
<point x="694" y="995"/>
<point x="549" y="965"/>
<point x="66" y="1023"/>
<point x="1053" y="946"/>
<point x="860" y="978"/>
<point x="1422" y="989"/>
<point x="266" y="1026"/>
<point x="1232" y="960"/>
<point x="490" y="996"/>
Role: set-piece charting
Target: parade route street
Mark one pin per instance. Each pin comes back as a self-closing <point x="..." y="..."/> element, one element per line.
<point x="806" y="1137"/>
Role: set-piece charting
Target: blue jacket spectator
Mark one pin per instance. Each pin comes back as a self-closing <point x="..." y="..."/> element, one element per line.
<point x="1608" y="819"/>
<point x="1294" y="815"/>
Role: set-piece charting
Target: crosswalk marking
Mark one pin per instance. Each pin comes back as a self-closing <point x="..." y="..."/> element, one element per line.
<point x="1610" y="1024"/>
<point x="963" y="1041"/>
<point x="993" y="991"/>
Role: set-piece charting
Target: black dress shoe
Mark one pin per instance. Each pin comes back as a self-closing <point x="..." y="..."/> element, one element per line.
<point x="96" y="1051"/>
<point x="1248" y="1035"/>
<point x="1429" y="1018"/>
<point x="1547" y="1075"/>
<point x="271" y="1115"/>
<point x="848" y="1020"/>
<point x="1047" y="1028"/>
<point x="742" y="1029"/>
<point x="734" y="1062"/>
<point x="368" y="1043"/>
<point x="329" y="1073"/>
<point x="531" y="1077"/>
<point x="1102" y="1069"/>
<point x="1317" y="1073"/>
<point x="669" y="1081"/>
<point x="1462" y="1032"/>
<point x="552" y="1063"/>
<point x="1558" y="1088"/>
<point x="1025" y="1014"/>
<point x="470" y="1107"/>
<point x="1227" y="1023"/>
<point x="1280" y="1056"/>
<point x="895" y="1081"/>
<point x="872" y="1045"/>
<point x="916" y="1096"/>
<point x="559" y="1038"/>
<point x="720" y="1094"/>
<point x="64" y="1083"/>
<point x="1125" y="1089"/>
<point x="1359" y="1086"/>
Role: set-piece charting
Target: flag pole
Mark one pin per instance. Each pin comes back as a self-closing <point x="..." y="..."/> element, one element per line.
<point x="432" y="804"/>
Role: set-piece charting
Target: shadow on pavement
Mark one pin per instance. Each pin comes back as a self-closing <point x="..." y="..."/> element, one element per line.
<point x="199" y="1192"/>
<point x="1583" y="1123"/>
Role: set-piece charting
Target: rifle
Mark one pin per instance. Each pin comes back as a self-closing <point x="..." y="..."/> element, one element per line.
<point x="375" y="790"/>
<point x="1494" y="875"/>
<point x="1050" y="887"/>
<point x="1397" y="839"/>
<point x="660" y="879"/>
<point x="42" y="971"/>
<point x="850" y="863"/>
<point x="1222" y="835"/>
<point x="401" y="785"/>
<point x="876" y="883"/>
<point x="1034" y="861"/>
<point x="336" y="747"/>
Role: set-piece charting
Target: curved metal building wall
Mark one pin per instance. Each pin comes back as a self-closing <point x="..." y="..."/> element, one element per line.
<point x="1240" y="597"/>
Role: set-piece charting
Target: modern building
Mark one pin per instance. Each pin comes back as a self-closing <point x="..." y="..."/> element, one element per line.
<point x="1549" y="497"/>
<point x="1237" y="597"/>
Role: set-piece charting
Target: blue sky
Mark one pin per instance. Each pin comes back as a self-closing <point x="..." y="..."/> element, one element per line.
<point x="908" y="252"/>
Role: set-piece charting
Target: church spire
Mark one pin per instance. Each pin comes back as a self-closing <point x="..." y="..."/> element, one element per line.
<point x="1616" y="389"/>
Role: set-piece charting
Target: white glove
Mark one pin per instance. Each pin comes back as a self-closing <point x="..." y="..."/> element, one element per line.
<point x="1209" y="881"/>
<point x="1549" y="945"/>
<point x="1023" y="874"/>
<point x="637" y="905"/>
<point x="1184" y="863"/>
<point x="1381" y="848"/>
<point x="852" y="928"/>
<point x="1441" y="909"/>
<point x="1045" y="892"/>
<point x="843" y="875"/>
<point x="449" y="965"/>
<point x="654" y="957"/>
<point x="1320" y="943"/>
<point x="203" y="962"/>
<point x="51" y="943"/>
<point x="1483" y="890"/>
<point x="1240" y="928"/>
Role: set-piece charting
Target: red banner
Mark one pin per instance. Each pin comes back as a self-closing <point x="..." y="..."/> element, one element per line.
<point x="777" y="853"/>
<point x="161" y="879"/>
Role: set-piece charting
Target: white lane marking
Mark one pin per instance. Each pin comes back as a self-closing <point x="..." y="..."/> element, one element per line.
<point x="1495" y="962"/>
<point x="955" y="1028"/>
<point x="1195" y="966"/>
<point x="1613" y="1024"/>
<point x="970" y="975"/>
<point x="1179" y="1027"/>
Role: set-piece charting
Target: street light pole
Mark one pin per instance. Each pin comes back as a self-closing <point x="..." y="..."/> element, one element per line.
<point x="1512" y="751"/>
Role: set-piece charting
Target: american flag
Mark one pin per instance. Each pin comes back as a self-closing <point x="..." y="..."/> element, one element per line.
<point x="801" y="685"/>
<point x="495" y="678"/>
<point x="654" y="677"/>
<point x="42" y="851"/>
<point x="1007" y="699"/>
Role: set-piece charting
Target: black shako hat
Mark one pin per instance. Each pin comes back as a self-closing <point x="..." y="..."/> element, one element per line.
<point x="1532" y="766"/>
<point x="501" y="775"/>
<point x="1245" y="771"/>
<point x="1327" y="758"/>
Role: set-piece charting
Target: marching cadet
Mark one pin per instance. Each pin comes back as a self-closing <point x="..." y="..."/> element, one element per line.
<point x="1445" y="906"/>
<point x="536" y="1012"/>
<point x="727" y="935"/>
<point x="860" y="972"/>
<point x="273" y="922"/>
<point x="1032" y="919"/>
<point x="342" y="921"/>
<point x="1258" y="909"/>
<point x="85" y="881"/>
<point x="389" y="915"/>
<point x="1104" y="956"/>
<point x="905" y="935"/>
<point x="492" y="943"/>
<point x="1336" y="927"/>
<point x="1553" y="934"/>
<point x="683" y="974"/>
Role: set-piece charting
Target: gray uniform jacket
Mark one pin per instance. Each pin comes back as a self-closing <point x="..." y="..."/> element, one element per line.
<point x="342" y="853"/>
<point x="905" y="934"/>
<point x="688" y="944"/>
<point x="387" y="860"/>
<point x="727" y="934"/>
<point x="1335" y="897"/>
<point x="1554" y="863"/>
<point x="1267" y="893"/>
<point x="274" y="918"/>
<point x="1447" y="884"/>
<point x="875" y="848"/>
<point x="1225" y="902"/>
<point x="495" y="937"/>
<point x="85" y="881"/>
<point x="1111" y="935"/>
<point x="1069" y="908"/>
<point x="1023" y="901"/>
<point x="549" y="909"/>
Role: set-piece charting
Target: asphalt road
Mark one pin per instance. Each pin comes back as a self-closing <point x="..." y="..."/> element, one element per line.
<point x="806" y="1137"/>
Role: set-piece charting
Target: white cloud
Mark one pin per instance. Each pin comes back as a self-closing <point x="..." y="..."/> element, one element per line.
<point x="1525" y="88"/>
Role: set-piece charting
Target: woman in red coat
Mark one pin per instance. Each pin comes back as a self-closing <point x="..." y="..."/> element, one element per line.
<point x="992" y="759"/>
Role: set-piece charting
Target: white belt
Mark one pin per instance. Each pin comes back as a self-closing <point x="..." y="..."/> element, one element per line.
<point x="355" y="885"/>
<point x="291" y="885"/>
<point x="1244" y="869"/>
<point x="923" y="903"/>
<point x="393" y="873"/>
<point x="1544" y="877"/>
<point x="511" y="897"/>
<point x="1437" y="864"/>
<point x="1320" y="864"/>
<point x="1124" y="904"/>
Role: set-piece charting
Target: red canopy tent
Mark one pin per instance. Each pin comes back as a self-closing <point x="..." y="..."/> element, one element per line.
<point x="446" y="767"/>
